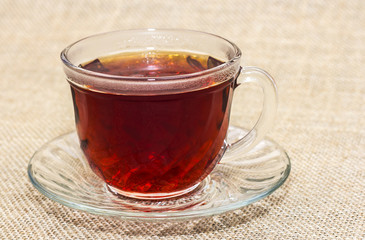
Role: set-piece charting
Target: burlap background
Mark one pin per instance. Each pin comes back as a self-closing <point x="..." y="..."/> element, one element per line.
<point x="314" y="49"/>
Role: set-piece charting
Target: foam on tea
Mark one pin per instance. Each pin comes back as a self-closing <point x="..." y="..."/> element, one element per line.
<point x="154" y="143"/>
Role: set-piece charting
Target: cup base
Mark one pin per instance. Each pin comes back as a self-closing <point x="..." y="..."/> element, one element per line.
<point x="150" y="196"/>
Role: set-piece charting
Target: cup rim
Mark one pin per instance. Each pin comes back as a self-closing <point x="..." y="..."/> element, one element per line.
<point x="67" y="63"/>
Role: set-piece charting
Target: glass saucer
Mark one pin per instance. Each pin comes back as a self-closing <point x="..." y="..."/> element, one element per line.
<point x="60" y="172"/>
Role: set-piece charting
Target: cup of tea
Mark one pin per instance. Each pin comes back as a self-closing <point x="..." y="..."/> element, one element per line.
<point x="152" y="107"/>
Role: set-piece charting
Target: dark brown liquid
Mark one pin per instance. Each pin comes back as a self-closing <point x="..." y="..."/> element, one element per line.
<point x="153" y="144"/>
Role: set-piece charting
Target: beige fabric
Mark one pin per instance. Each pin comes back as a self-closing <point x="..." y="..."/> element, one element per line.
<point x="314" y="49"/>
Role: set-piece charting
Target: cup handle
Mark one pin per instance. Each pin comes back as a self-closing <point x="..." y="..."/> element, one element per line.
<point x="266" y="119"/>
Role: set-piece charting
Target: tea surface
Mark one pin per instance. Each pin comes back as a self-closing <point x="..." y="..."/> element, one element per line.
<point x="152" y="64"/>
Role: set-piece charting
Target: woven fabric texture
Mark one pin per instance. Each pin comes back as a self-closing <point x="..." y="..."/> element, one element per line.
<point x="314" y="49"/>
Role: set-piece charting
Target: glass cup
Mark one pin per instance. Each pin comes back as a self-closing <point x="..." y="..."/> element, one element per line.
<point x="156" y="137"/>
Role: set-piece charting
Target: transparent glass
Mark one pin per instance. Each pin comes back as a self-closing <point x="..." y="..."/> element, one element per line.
<point x="172" y="130"/>
<point x="60" y="171"/>
<point x="159" y="137"/>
